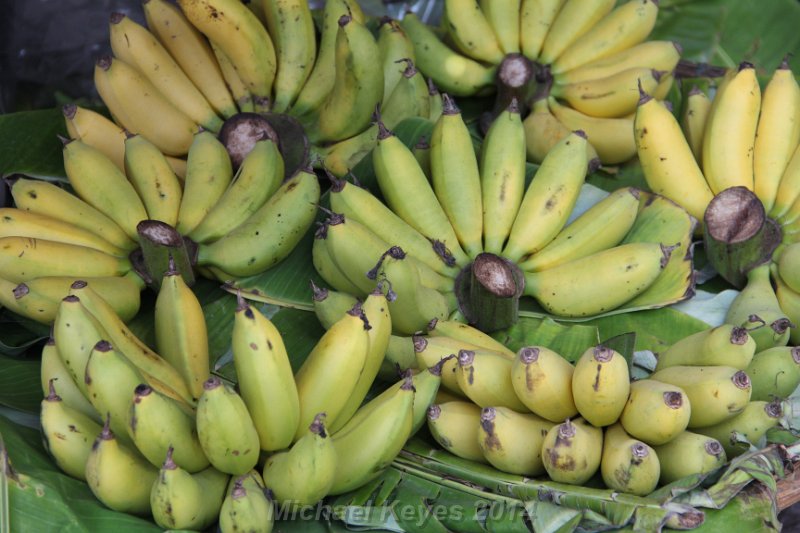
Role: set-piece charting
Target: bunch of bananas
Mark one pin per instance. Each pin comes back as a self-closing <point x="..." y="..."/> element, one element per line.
<point x="534" y="413"/>
<point x="586" y="58"/>
<point x="456" y="222"/>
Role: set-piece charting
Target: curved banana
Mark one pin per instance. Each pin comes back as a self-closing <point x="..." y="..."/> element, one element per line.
<point x="341" y="157"/>
<point x="542" y="380"/>
<point x="543" y="131"/>
<point x="512" y="441"/>
<point x="395" y="47"/>
<point x="471" y="32"/>
<point x="574" y="19"/>
<point x="75" y="333"/>
<point x="330" y="305"/>
<point x="231" y="26"/>
<point x="600" y="385"/>
<point x="627" y="464"/>
<point x="485" y="378"/>
<point x="96" y="130"/>
<point x="535" y="19"/>
<point x="153" y="179"/>
<point x="456" y="426"/>
<point x="246" y="506"/>
<point x="751" y="425"/>
<point x="610" y="97"/>
<point x="725" y="344"/>
<point x="572" y="451"/>
<point x="693" y="120"/>
<point x="464" y="332"/>
<point x="785" y="207"/>
<point x="661" y="56"/>
<point x="409" y="98"/>
<point x="689" y="454"/>
<point x="656" y="412"/>
<point x="17" y="298"/>
<point x="327" y="268"/>
<point x="774" y="373"/>
<point x="503" y="16"/>
<point x="54" y="373"/>
<point x="239" y="90"/>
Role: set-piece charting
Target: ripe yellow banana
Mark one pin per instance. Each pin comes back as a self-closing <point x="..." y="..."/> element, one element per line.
<point x="661" y="56"/>
<point x="239" y="90"/>
<point x="512" y="441"/>
<point x="601" y="385"/>
<point x="571" y="451"/>
<point x="75" y="333"/>
<point x="341" y="157"/>
<point x="751" y="425"/>
<point x="693" y="120"/>
<point x="503" y="16"/>
<point x="327" y="268"/>
<point x="656" y="412"/>
<point x="785" y="208"/>
<point x="543" y="131"/>
<point x="689" y="454"/>
<point x="96" y="130"/>
<point x="574" y="19"/>
<point x="627" y="464"/>
<point x="54" y="372"/>
<point x="774" y="373"/>
<point x="612" y="96"/>
<point x="455" y="425"/>
<point x="542" y="380"/>
<point x="485" y="378"/>
<point x="246" y="506"/>
<point x="725" y="344"/>
<point x="471" y="32"/>
<point x="466" y="333"/>
<point x="431" y="350"/>
<point x="153" y="179"/>
<point x="231" y="26"/>
<point x="535" y="19"/>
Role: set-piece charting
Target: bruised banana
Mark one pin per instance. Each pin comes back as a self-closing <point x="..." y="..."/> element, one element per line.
<point x="571" y="451"/>
<point x="600" y="385"/>
<point x="485" y="378"/>
<point x="507" y="439"/>
<point x="627" y="464"/>
<point x="247" y="506"/>
<point x="542" y="380"/>
<point x="455" y="425"/>
<point x="656" y="412"/>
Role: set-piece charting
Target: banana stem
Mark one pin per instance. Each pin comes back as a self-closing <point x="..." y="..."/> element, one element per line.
<point x="737" y="234"/>
<point x="488" y="292"/>
<point x="516" y="80"/>
<point x="162" y="249"/>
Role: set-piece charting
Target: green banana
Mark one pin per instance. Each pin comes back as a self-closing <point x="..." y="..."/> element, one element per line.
<point x="571" y="451"/>
<point x="466" y="333"/>
<point x="326" y="267"/>
<point x="394" y="46"/>
<point x="601" y="385"/>
<point x="725" y="344"/>
<point x="153" y="179"/>
<point x="485" y="378"/>
<point x="512" y="441"/>
<point x="400" y="356"/>
<point x="689" y="454"/>
<point x="330" y="305"/>
<point x="246" y="506"/>
<point x="455" y="425"/>
<point x="774" y="373"/>
<point x="751" y="425"/>
<point x="542" y="380"/>
<point x="627" y="464"/>
<point x="656" y="412"/>
<point x="54" y="371"/>
<point x="75" y="332"/>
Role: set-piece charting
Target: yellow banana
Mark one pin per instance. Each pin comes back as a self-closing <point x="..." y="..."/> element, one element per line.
<point x="269" y="234"/>
<point x="466" y="333"/>
<point x="54" y="373"/>
<point x="600" y="385"/>
<point x="512" y="441"/>
<point x="731" y="131"/>
<point x="542" y="380"/>
<point x="96" y="130"/>
<point x="574" y="19"/>
<point x="75" y="333"/>
<point x="626" y="26"/>
<point x="225" y="429"/>
<point x="191" y="51"/>
<point x="485" y="378"/>
<point x="549" y="199"/>
<point x="258" y="177"/>
<point x="266" y="381"/>
<point x="239" y="90"/>
<point x="543" y="131"/>
<point x="456" y="426"/>
<point x="327" y="268"/>
<point x="246" y="506"/>
<point x="571" y="289"/>
<point x="656" y="412"/>
<point x="141" y="108"/>
<point x="627" y="464"/>
<point x="610" y="97"/>
<point x="153" y="179"/>
<point x="689" y="454"/>
<point x="17" y="298"/>
<point x="430" y="351"/>
<point x="135" y="45"/>
<point x="661" y="56"/>
<point x="98" y="181"/>
<point x="725" y="344"/>
<point x="600" y="227"/>
<point x="571" y="451"/>
<point x="751" y="425"/>
<point x="535" y="19"/>
<point x="395" y="47"/>
<point x="341" y="157"/>
<point x="503" y="16"/>
<point x="693" y="120"/>
<point x="785" y="208"/>
<point x="471" y="32"/>
<point x="240" y="35"/>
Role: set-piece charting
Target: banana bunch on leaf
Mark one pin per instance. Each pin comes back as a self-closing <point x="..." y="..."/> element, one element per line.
<point x="464" y="232"/>
<point x="576" y="64"/>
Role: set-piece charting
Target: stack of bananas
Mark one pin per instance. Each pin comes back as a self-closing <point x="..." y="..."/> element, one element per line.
<point x="536" y="414"/>
<point x="588" y="58"/>
<point x="454" y="209"/>
<point x="155" y="434"/>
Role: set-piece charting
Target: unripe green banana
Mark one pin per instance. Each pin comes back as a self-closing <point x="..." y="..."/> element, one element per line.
<point x="118" y="476"/>
<point x="302" y="475"/>
<point x="656" y="412"/>
<point x="156" y="423"/>
<point x="725" y="344"/>
<point x="464" y="332"/>
<point x="751" y="424"/>
<point x="76" y="332"/>
<point x="225" y="429"/>
<point x="789" y="301"/>
<point x="756" y="308"/>
<point x="571" y="451"/>
<point x="455" y="425"/>
<point x="600" y="385"/>
<point x="689" y="454"/>
<point x="715" y="393"/>
<point x="54" y="371"/>
<point x="774" y="373"/>
<point x="67" y="434"/>
<point x="512" y="441"/>
<point x="400" y="356"/>
<point x="180" y="500"/>
<point x="246" y="506"/>
<point x="789" y="266"/>
<point x="326" y="267"/>
<point x="485" y="378"/>
<point x="627" y="464"/>
<point x="542" y="379"/>
<point x="266" y="381"/>
<point x="330" y="305"/>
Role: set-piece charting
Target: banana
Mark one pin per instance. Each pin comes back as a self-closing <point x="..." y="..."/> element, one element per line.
<point x="366" y="445"/>
<point x="535" y="19"/>
<point x="96" y="130"/>
<point x="512" y="441"/>
<point x="269" y="234"/>
<point x="98" y="181"/>
<point x="669" y="165"/>
<point x="789" y="302"/>
<point x="485" y="378"/>
<point x="786" y="265"/>
<point x="693" y="120"/>
<point x="118" y="476"/>
<point x="785" y="206"/>
<point x="190" y="49"/>
<point x="502" y="176"/>
<point x="238" y="89"/>
<point x="542" y="380"/>
<point x="777" y="133"/>
<point x="571" y="289"/>
<point x="290" y="24"/>
<point x="23" y="259"/>
<point x="434" y="109"/>
<point x="225" y="429"/>
<point x="330" y="305"/>
<point x="55" y="373"/>
<point x="432" y="350"/>
<point x="612" y="138"/>
<point x="466" y="333"/>
<point x="45" y="198"/>
<point x="139" y="106"/>
<point x="17" y="298"/>
<point x="751" y="425"/>
<point x="75" y="332"/>
<point x="656" y="412"/>
<point x="571" y="452"/>
<point x="715" y="393"/>
<point x="400" y="356"/>
<point x="628" y="465"/>
<point x="503" y="16"/>
<point x="395" y="47"/>
<point x="135" y="45"/>
<point x="265" y="377"/>
<point x="549" y="199"/>
<point x="455" y="176"/>
<point x="756" y="308"/>
<point x="689" y="454"/>
<point x="451" y="71"/>
<point x="612" y="96"/>
<point x="241" y="36"/>
<point x="725" y="344"/>
<point x="409" y="98"/>
<point x="153" y="179"/>
<point x="471" y="32"/>
<point x="601" y="385"/>
<point x="543" y="131"/>
<point x="209" y="172"/>
<point x="246" y="506"/>
<point x="180" y="330"/>
<point x="341" y="157"/>
<point x="182" y="500"/>
<point x="302" y="475"/>
<point x="357" y="88"/>
<point x="600" y="227"/>
<point x="574" y="19"/>
<point x="326" y="267"/>
<point x="67" y="433"/>
<point x="329" y="375"/>
<point x="774" y="373"/>
<point x="661" y="56"/>
<point x="730" y="133"/>
<point x="626" y="26"/>
<point x="456" y="426"/>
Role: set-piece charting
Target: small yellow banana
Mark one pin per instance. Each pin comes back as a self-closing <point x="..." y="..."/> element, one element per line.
<point x="96" y="130"/>
<point x="485" y="378"/>
<point x="535" y="19"/>
<point x="542" y="380"/>
<point x="574" y="19"/>
<point x="661" y="56"/>
<point x="153" y="178"/>
<point x="503" y="16"/>
<point x="656" y="412"/>
<point x="56" y="374"/>
<point x="600" y="385"/>
<point x="471" y="32"/>
<point x="512" y="441"/>
<point x="572" y="451"/>
<point x="609" y="97"/>
<point x="694" y="118"/>
<point x="455" y="425"/>
<point x="627" y="464"/>
<point x="246" y="506"/>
